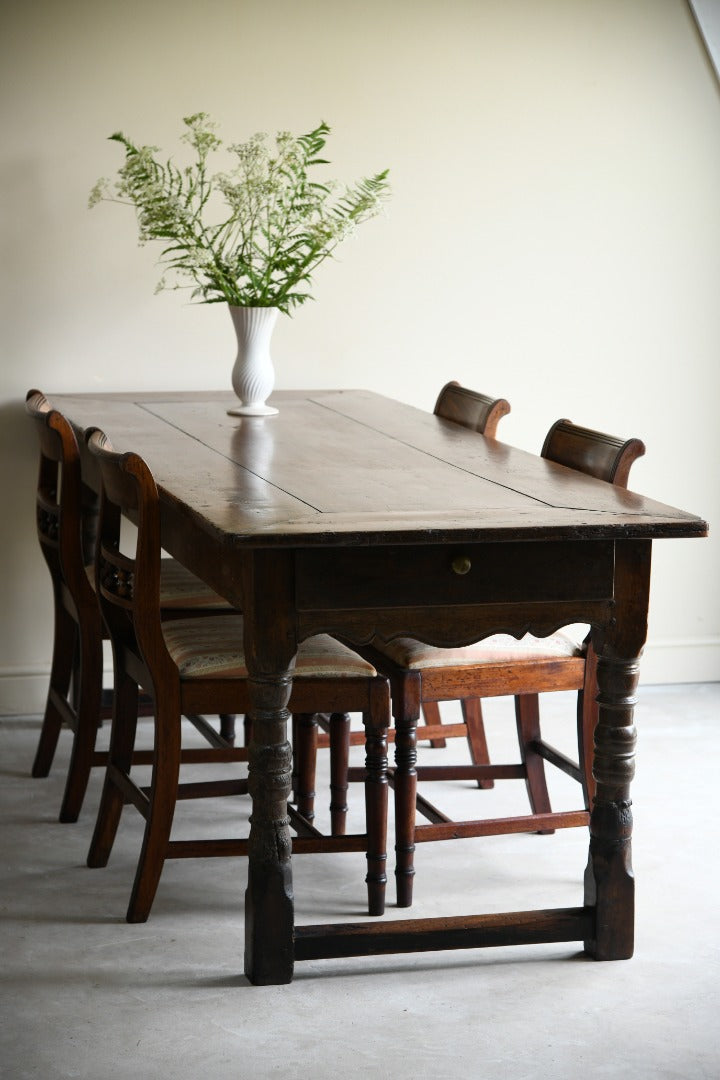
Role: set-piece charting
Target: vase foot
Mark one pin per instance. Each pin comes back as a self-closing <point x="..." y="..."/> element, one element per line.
<point x="253" y="409"/>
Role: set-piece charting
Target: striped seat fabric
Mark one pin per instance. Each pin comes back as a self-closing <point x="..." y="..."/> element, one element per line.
<point x="179" y="588"/>
<point x="499" y="649"/>
<point x="212" y="648"/>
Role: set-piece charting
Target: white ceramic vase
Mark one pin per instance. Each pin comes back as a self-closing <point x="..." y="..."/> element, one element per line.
<point x="253" y="375"/>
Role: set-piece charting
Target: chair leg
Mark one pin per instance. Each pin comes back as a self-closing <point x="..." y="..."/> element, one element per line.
<point x="472" y="715"/>
<point x="122" y="742"/>
<point x="227" y="727"/>
<point x="75" y="682"/>
<point x="527" y="717"/>
<point x="305" y="740"/>
<point x="163" y="796"/>
<point x="406" y="711"/>
<point x="89" y="697"/>
<point x="431" y="715"/>
<point x="60" y="675"/>
<point x="376" y="805"/>
<point x="339" y="760"/>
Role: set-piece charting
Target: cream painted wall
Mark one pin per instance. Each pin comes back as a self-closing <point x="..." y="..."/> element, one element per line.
<point x="554" y="236"/>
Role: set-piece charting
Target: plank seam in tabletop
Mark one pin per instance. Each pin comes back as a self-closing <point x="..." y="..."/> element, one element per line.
<point x="435" y="456"/>
<point x="228" y="457"/>
<point x="482" y="446"/>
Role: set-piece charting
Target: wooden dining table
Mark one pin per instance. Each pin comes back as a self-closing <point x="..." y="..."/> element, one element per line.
<point x="349" y="513"/>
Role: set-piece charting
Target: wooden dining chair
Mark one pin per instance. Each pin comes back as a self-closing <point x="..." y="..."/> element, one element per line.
<point x="197" y="666"/>
<point x="66" y="512"/>
<point x="496" y="666"/>
<point x="480" y="413"/>
<point x="469" y="409"/>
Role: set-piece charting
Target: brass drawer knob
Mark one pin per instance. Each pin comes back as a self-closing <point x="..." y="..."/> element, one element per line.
<point x="461" y="565"/>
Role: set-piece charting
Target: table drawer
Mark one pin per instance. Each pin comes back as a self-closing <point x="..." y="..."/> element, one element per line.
<point x="335" y="579"/>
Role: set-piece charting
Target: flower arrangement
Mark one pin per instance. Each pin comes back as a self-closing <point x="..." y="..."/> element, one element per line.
<point x="251" y="236"/>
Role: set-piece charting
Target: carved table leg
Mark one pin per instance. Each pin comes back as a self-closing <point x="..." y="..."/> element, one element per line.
<point x="609" y="882"/>
<point x="270" y="648"/>
<point x="269" y="897"/>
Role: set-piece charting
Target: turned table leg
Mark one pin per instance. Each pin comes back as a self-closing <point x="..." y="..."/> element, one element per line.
<point x="609" y="880"/>
<point x="270" y="648"/>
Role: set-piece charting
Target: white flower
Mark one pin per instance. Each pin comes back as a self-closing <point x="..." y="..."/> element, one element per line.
<point x="278" y="223"/>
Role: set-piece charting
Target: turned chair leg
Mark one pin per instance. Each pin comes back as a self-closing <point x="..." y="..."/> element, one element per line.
<point x="89" y="700"/>
<point x="60" y="675"/>
<point x="305" y="741"/>
<point x="406" y="712"/>
<point x="527" y="717"/>
<point x="122" y="743"/>
<point x="376" y="808"/>
<point x="477" y="742"/>
<point x="339" y="761"/>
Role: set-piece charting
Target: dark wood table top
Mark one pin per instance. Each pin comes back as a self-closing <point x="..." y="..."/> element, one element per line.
<point x="350" y="467"/>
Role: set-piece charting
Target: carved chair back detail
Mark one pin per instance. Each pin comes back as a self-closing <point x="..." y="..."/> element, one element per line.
<point x="592" y="452"/>
<point x="471" y="409"/>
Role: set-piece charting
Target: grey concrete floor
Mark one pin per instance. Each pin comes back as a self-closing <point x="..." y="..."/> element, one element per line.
<point x="86" y="995"/>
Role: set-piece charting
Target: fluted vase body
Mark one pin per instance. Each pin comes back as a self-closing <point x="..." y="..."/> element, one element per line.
<point x="253" y="375"/>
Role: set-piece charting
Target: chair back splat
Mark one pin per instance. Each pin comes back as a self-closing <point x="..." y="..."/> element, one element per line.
<point x="131" y="613"/>
<point x="63" y="501"/>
